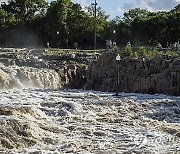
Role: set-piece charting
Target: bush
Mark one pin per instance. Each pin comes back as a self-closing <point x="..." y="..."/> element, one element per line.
<point x="142" y="51"/>
<point x="135" y="54"/>
<point x="128" y="51"/>
<point x="151" y="53"/>
<point x="171" y="53"/>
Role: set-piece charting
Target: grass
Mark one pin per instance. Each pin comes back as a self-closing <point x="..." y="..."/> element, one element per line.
<point x="55" y="51"/>
<point x="143" y="51"/>
<point x="127" y="51"/>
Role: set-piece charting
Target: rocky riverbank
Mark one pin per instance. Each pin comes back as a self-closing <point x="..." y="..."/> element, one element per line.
<point x="71" y="66"/>
<point x="140" y="75"/>
<point x="98" y="71"/>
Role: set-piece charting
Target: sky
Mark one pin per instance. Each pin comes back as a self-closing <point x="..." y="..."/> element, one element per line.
<point x="118" y="7"/>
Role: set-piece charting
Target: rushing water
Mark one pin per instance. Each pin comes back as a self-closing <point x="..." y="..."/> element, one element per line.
<point x="34" y="120"/>
<point x="44" y="121"/>
<point x="23" y="77"/>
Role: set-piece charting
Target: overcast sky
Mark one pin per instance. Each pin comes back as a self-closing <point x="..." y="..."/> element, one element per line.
<point x="118" y="7"/>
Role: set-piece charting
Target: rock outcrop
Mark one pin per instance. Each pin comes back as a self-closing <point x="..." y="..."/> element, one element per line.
<point x="141" y="75"/>
<point x="98" y="71"/>
<point x="71" y="67"/>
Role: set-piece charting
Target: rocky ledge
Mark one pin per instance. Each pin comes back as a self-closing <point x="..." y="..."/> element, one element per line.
<point x="98" y="71"/>
<point x="140" y="75"/>
<point x="71" y="66"/>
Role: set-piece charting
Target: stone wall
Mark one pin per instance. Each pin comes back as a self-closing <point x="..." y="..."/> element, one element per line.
<point x="140" y="75"/>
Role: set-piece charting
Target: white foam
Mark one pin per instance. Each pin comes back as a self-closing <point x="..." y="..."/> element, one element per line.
<point x="77" y="121"/>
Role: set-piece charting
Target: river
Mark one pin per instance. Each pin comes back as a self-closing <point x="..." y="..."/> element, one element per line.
<point x="36" y="118"/>
<point x="39" y="121"/>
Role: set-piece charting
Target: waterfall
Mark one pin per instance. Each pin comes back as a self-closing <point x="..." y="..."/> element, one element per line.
<point x="27" y="77"/>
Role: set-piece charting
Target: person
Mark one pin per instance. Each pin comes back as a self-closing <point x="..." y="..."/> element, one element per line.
<point x="115" y="47"/>
<point x="178" y="45"/>
<point x="76" y="45"/>
<point x="110" y="44"/>
<point x="159" y="46"/>
<point x="167" y="44"/>
<point x="175" y="46"/>
<point x="129" y="44"/>
<point x="114" y="44"/>
<point x="107" y="44"/>
<point x="47" y="44"/>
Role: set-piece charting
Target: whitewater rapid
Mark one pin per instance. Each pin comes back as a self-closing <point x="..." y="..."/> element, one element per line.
<point x="14" y="76"/>
<point x="74" y="121"/>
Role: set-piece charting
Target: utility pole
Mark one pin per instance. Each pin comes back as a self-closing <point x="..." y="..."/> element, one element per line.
<point x="95" y="4"/>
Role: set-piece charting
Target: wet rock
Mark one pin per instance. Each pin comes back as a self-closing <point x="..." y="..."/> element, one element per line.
<point x="71" y="67"/>
<point x="6" y="143"/>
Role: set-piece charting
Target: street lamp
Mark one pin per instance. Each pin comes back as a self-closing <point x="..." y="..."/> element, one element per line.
<point x="67" y="40"/>
<point x="118" y="58"/>
<point x="57" y="38"/>
<point x="114" y="32"/>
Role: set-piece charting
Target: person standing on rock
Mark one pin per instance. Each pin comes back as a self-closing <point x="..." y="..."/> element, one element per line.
<point x="47" y="44"/>
<point x="76" y="45"/>
<point x="110" y="44"/>
<point x="114" y="44"/>
<point x="107" y="44"/>
<point x="129" y="44"/>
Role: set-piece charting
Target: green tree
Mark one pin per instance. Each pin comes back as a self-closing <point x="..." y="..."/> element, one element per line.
<point x="101" y="24"/>
<point x="25" y="10"/>
<point x="73" y="24"/>
<point x="7" y="21"/>
<point x="56" y="21"/>
<point x="132" y="14"/>
<point x="156" y="27"/>
<point x="121" y="35"/>
<point x="129" y="19"/>
<point x="78" y="25"/>
<point x="25" y="14"/>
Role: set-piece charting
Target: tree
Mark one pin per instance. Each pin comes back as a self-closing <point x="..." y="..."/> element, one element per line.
<point x="132" y="14"/>
<point x="157" y="27"/>
<point x="7" y="21"/>
<point x="56" y="21"/>
<point x="25" y="10"/>
<point x="101" y="23"/>
<point x="25" y="13"/>
<point x="73" y="24"/>
<point x="78" y="25"/>
<point x="121" y="35"/>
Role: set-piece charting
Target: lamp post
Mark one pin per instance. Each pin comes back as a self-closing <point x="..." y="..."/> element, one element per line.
<point x="114" y="32"/>
<point x="118" y="58"/>
<point x="67" y="40"/>
<point x="57" y="38"/>
<point x="95" y="10"/>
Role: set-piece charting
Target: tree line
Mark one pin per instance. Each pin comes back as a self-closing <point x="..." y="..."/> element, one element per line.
<point x="61" y="23"/>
